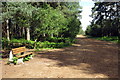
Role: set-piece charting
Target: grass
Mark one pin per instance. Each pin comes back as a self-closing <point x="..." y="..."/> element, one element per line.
<point x="114" y="39"/>
<point x="36" y="50"/>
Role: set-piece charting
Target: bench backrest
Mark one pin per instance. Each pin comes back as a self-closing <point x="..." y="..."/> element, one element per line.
<point x="18" y="50"/>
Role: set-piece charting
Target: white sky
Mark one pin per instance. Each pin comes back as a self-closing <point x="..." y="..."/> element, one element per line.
<point x="86" y="11"/>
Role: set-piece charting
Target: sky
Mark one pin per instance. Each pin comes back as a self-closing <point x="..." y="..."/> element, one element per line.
<point x="86" y="11"/>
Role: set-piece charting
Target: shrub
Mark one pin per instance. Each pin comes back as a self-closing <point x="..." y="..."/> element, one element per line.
<point x="16" y="43"/>
<point x="15" y="60"/>
<point x="52" y="43"/>
<point x="58" y="39"/>
<point x="106" y="38"/>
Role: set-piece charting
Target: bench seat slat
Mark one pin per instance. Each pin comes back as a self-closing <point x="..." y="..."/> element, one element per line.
<point x="24" y="55"/>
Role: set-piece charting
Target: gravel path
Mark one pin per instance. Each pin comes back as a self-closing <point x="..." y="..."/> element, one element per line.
<point x="87" y="58"/>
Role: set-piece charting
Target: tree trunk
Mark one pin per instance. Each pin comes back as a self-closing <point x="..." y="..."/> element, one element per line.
<point x="28" y="33"/>
<point x="20" y="32"/>
<point x="8" y="33"/>
<point x="51" y="34"/>
<point x="23" y="32"/>
<point x="44" y="34"/>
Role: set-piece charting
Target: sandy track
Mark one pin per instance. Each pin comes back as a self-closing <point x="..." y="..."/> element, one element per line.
<point x="87" y="58"/>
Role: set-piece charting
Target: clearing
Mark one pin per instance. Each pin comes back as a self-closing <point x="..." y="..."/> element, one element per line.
<point x="87" y="58"/>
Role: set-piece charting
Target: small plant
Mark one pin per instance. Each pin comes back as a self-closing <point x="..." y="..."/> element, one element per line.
<point x="37" y="50"/>
<point x="27" y="58"/>
<point x="15" y="60"/>
<point x="8" y="62"/>
<point x="114" y="39"/>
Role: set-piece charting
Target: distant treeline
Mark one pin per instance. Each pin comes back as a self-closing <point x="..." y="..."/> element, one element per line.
<point x="106" y="20"/>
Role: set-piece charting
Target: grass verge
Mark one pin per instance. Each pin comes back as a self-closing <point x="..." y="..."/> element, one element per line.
<point x="114" y="39"/>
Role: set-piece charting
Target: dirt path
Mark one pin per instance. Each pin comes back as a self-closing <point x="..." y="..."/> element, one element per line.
<point x="87" y="58"/>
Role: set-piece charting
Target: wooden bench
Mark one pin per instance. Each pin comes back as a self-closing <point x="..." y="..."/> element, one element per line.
<point x="20" y="52"/>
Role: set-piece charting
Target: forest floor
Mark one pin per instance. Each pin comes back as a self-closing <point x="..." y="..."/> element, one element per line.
<point x="87" y="58"/>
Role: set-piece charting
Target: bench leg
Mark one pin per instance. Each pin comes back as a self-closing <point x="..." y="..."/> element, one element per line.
<point x="10" y="57"/>
<point x="20" y="61"/>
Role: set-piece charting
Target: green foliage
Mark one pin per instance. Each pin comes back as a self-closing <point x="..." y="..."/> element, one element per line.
<point x="81" y="31"/>
<point x="15" y="60"/>
<point x="50" y="43"/>
<point x="17" y="43"/>
<point x="54" y="43"/>
<point x="106" y="20"/>
<point x="51" y="25"/>
<point x="105" y="38"/>
<point x="26" y="58"/>
<point x="94" y="30"/>
<point x="50" y="21"/>
<point x="58" y="39"/>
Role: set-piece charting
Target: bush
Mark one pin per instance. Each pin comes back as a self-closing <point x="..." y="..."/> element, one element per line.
<point x="59" y="39"/>
<point x="106" y="38"/>
<point x="16" y="43"/>
<point x="5" y="43"/>
<point x="47" y="44"/>
<point x="51" y="43"/>
<point x="15" y="60"/>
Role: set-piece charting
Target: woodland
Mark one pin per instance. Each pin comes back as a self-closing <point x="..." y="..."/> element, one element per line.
<point x="56" y="24"/>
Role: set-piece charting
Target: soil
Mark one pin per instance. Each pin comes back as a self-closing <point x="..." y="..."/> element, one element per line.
<point x="87" y="58"/>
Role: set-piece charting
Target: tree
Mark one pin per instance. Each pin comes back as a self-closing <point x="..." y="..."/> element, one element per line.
<point x="26" y="12"/>
<point x="40" y="19"/>
<point x="20" y="14"/>
<point x="106" y="15"/>
<point x="6" y="16"/>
